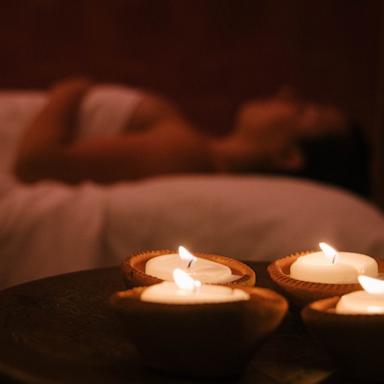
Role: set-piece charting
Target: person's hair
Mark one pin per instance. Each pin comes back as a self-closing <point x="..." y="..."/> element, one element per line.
<point x="340" y="160"/>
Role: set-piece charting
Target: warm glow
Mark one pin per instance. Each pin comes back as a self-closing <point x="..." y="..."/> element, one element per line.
<point x="372" y="285"/>
<point x="374" y="309"/>
<point x="186" y="255"/>
<point x="329" y="252"/>
<point x="184" y="281"/>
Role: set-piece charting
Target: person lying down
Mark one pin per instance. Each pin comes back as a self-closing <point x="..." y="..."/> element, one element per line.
<point x="70" y="213"/>
<point x="111" y="133"/>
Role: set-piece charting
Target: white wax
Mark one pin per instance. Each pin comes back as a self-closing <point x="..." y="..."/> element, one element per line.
<point x="316" y="268"/>
<point x="206" y="271"/>
<point x="361" y="302"/>
<point x="168" y="292"/>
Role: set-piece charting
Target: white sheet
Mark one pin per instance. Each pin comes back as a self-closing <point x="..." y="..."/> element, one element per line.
<point x="250" y="218"/>
<point x="48" y="228"/>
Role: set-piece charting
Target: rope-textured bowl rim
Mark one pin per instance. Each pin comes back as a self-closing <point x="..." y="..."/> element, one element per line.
<point x="324" y="311"/>
<point x="136" y="276"/>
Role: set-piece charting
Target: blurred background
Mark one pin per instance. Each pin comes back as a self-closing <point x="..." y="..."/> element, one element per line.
<point x="208" y="55"/>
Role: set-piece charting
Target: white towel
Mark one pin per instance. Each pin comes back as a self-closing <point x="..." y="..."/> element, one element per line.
<point x="107" y="110"/>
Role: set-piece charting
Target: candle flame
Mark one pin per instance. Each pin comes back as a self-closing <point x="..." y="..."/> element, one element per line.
<point x="372" y="285"/>
<point x="185" y="281"/>
<point x="186" y="256"/>
<point x="329" y="252"/>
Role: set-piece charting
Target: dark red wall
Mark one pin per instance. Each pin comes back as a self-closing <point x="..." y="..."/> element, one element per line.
<point x="204" y="52"/>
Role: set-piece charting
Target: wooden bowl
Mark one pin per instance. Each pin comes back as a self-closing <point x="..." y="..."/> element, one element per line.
<point x="133" y="268"/>
<point x="200" y="340"/>
<point x="354" y="341"/>
<point x="301" y="293"/>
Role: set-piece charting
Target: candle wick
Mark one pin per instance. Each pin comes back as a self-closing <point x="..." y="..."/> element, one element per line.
<point x="190" y="263"/>
<point x="334" y="259"/>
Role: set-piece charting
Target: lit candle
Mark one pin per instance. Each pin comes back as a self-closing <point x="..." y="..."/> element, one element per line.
<point x="368" y="301"/>
<point x="204" y="270"/>
<point x="186" y="290"/>
<point x="332" y="267"/>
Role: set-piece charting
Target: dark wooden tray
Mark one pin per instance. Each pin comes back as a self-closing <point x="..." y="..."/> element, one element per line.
<point x="62" y="330"/>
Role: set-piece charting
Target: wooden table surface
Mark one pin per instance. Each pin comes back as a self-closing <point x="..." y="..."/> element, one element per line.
<point x="62" y="330"/>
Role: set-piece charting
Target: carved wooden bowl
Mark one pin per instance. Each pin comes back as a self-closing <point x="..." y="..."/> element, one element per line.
<point x="301" y="293"/>
<point x="200" y="340"/>
<point x="355" y="342"/>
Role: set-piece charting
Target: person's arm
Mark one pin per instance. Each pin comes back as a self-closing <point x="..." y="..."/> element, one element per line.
<point x="164" y="143"/>
<point x="53" y="129"/>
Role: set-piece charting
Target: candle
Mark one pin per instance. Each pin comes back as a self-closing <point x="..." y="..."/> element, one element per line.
<point x="367" y="301"/>
<point x="186" y="290"/>
<point x="204" y="270"/>
<point x="332" y="267"/>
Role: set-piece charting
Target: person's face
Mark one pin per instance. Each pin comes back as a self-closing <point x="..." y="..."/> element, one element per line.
<point x="278" y="126"/>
